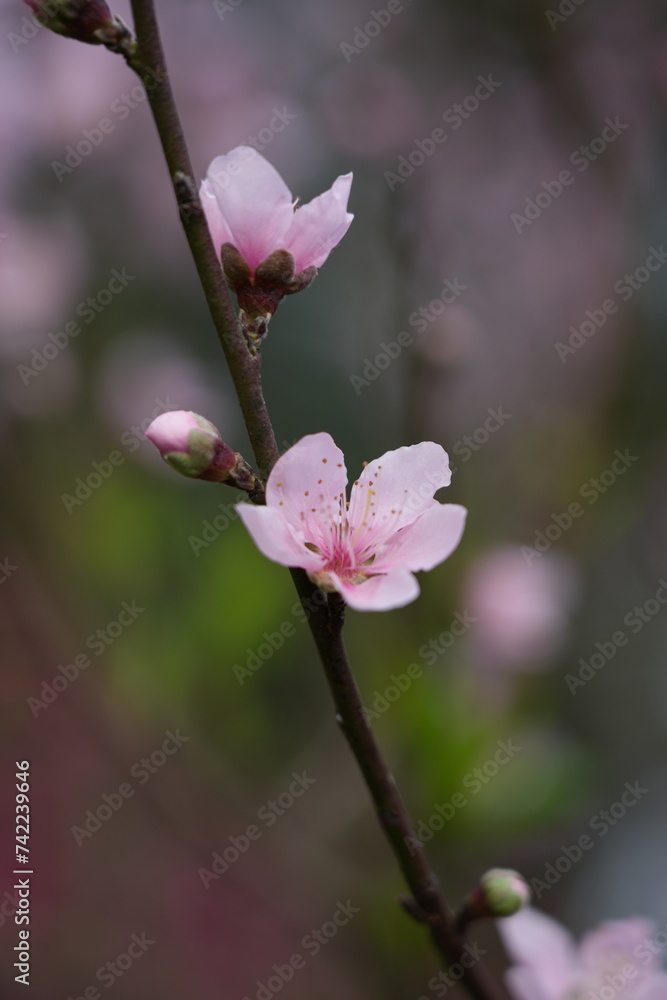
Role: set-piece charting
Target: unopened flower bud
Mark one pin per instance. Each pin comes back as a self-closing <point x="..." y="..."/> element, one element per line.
<point x="192" y="445"/>
<point x="88" y="21"/>
<point x="503" y="892"/>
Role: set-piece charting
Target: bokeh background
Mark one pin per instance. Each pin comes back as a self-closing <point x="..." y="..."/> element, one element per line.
<point x="197" y="660"/>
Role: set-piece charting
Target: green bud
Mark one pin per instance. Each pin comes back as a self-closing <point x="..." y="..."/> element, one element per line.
<point x="504" y="892"/>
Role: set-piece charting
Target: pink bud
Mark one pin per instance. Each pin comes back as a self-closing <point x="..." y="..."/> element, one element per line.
<point x="192" y="445"/>
<point x="88" y="21"/>
<point x="170" y="431"/>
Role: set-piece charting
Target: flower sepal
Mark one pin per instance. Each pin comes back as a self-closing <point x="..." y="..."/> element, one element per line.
<point x="260" y="294"/>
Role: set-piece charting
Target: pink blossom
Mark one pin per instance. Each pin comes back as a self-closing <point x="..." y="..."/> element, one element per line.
<point x="619" y="959"/>
<point x="521" y="609"/>
<point x="170" y="431"/>
<point x="248" y="205"/>
<point x="192" y="446"/>
<point x="366" y="550"/>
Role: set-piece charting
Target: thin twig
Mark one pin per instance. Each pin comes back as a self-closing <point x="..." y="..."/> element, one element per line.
<point x="245" y="368"/>
<point x="430" y="905"/>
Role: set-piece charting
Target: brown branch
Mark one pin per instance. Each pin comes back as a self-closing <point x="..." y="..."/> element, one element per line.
<point x="430" y="905"/>
<point x="147" y="59"/>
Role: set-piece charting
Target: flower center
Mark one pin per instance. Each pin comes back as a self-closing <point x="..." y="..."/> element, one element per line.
<point x="341" y="559"/>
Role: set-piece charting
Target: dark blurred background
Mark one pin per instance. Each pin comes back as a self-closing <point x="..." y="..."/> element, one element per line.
<point x="545" y="365"/>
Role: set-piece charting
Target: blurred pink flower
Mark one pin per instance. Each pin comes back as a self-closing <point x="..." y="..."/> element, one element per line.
<point x="615" y="959"/>
<point x="142" y="373"/>
<point x="367" y="555"/>
<point x="60" y="106"/>
<point x="248" y="205"/>
<point x="521" y="610"/>
<point x="43" y="264"/>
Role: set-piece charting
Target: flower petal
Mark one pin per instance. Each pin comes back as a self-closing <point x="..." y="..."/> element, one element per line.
<point x="170" y="430"/>
<point x="654" y="987"/>
<point x="603" y="947"/>
<point x="426" y="542"/>
<point x="275" y="539"/>
<point x="379" y="593"/>
<point x="320" y="225"/>
<point x="394" y="490"/>
<point x="523" y="984"/>
<point x="306" y="484"/>
<point x="217" y="226"/>
<point x="541" y="945"/>
<point x="254" y="202"/>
